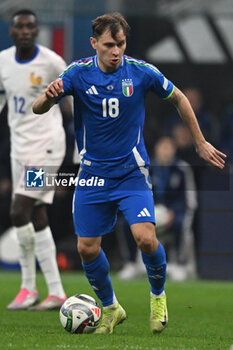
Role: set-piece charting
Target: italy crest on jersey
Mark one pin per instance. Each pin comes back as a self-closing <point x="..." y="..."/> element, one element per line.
<point x="127" y="87"/>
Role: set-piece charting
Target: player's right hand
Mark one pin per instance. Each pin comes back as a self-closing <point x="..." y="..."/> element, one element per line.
<point x="54" y="89"/>
<point x="212" y="155"/>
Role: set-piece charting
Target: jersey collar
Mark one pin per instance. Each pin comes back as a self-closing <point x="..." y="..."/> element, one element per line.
<point x="30" y="59"/>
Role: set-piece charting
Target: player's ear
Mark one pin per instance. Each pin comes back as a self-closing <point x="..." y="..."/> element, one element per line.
<point x="93" y="42"/>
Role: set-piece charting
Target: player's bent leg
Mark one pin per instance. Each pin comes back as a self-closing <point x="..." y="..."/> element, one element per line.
<point x="154" y="258"/>
<point x="145" y="237"/>
<point x="89" y="248"/>
<point x="96" y="268"/>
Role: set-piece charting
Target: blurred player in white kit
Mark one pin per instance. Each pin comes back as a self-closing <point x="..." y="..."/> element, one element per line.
<point x="25" y="70"/>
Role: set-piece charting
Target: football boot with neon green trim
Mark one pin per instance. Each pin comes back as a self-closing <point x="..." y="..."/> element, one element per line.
<point x="158" y="313"/>
<point x="110" y="319"/>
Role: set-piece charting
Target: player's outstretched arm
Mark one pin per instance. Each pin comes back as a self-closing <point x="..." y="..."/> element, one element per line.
<point x="44" y="102"/>
<point x="205" y="150"/>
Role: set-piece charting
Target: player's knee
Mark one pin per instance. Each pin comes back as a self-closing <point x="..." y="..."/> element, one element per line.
<point x="19" y="216"/>
<point x="146" y="246"/>
<point x="147" y="243"/>
<point x="87" y="252"/>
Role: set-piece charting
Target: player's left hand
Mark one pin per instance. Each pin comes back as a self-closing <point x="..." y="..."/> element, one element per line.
<point x="213" y="156"/>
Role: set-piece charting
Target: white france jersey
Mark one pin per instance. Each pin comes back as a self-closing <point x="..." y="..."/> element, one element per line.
<point x="21" y="82"/>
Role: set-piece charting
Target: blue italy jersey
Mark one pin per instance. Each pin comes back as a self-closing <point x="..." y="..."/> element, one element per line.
<point x="109" y="112"/>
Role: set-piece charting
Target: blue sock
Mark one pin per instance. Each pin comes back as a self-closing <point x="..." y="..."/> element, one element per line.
<point x="156" y="269"/>
<point x="97" y="273"/>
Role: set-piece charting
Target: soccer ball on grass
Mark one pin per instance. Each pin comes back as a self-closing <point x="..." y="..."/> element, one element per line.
<point x="80" y="314"/>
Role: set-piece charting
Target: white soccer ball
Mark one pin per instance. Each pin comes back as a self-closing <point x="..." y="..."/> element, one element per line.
<point x="80" y="314"/>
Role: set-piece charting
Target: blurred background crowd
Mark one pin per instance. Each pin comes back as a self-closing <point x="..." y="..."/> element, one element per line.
<point x="191" y="43"/>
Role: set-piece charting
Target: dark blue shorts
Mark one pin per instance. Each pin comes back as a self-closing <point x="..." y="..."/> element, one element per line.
<point x="97" y="200"/>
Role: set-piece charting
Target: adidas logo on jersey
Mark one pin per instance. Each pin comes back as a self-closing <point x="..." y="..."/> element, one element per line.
<point x="143" y="212"/>
<point x="92" y="90"/>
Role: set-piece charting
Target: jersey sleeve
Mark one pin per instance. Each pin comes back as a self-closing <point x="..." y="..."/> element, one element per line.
<point x="159" y="83"/>
<point x="66" y="77"/>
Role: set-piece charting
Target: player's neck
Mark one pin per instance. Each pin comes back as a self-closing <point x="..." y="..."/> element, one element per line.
<point x="24" y="54"/>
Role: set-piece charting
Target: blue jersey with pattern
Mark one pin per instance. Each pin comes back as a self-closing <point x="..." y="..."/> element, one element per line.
<point x="109" y="112"/>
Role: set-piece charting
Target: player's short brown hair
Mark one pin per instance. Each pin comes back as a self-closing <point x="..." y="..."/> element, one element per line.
<point x="114" y="22"/>
<point x="23" y="12"/>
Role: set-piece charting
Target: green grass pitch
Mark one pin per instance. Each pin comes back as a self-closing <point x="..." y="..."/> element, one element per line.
<point x="200" y="317"/>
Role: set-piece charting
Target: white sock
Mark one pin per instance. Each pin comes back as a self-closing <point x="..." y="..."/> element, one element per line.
<point x="114" y="304"/>
<point x="26" y="238"/>
<point x="46" y="255"/>
<point x="157" y="296"/>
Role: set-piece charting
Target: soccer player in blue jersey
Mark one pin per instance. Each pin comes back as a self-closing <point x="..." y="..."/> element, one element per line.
<point x="109" y="106"/>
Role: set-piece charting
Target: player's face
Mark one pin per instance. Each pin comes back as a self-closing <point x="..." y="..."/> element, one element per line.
<point x="109" y="50"/>
<point x="24" y="31"/>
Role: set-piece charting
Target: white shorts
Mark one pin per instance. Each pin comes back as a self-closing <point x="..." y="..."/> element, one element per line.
<point x="18" y="170"/>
